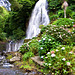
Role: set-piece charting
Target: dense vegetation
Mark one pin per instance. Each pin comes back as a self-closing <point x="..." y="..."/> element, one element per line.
<point x="15" y="22"/>
<point x="56" y="42"/>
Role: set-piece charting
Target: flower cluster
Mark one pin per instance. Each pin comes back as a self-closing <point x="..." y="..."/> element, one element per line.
<point x="59" y="33"/>
<point x="46" y="43"/>
<point x="60" y="59"/>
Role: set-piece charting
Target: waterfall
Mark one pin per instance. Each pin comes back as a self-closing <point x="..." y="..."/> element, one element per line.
<point x="14" y="46"/>
<point x="6" y="4"/>
<point x="39" y="16"/>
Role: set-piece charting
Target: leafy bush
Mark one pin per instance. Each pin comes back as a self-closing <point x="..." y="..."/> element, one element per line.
<point x="27" y="55"/>
<point x="73" y="15"/>
<point x="53" y="17"/>
<point x="54" y="4"/>
<point x="60" y="13"/>
<point x="24" y="48"/>
<point x="72" y="7"/>
<point x="60" y="61"/>
<point x="61" y="34"/>
<point x="2" y="36"/>
<point x="33" y="46"/>
<point x="18" y="34"/>
<point x="46" y="43"/>
<point x="64" y="21"/>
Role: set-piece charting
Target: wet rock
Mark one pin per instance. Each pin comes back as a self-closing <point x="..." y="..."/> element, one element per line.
<point x="7" y="65"/>
<point x="2" y="57"/>
<point x="13" y="59"/>
<point x="26" y="73"/>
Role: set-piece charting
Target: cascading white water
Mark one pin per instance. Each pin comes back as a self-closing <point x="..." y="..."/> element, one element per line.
<point x="39" y="17"/>
<point x="6" y="4"/>
<point x="14" y="46"/>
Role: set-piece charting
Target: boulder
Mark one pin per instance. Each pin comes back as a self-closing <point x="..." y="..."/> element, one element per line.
<point x="8" y="65"/>
<point x="13" y="59"/>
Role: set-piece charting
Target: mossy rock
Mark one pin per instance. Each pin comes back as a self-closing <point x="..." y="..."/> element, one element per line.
<point x="26" y="40"/>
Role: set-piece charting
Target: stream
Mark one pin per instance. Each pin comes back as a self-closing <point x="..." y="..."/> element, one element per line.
<point x="10" y="69"/>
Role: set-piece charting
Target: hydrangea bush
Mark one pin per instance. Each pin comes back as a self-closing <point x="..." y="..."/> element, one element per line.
<point x="30" y="46"/>
<point x="46" y="43"/>
<point x="64" y="21"/>
<point x="60" y="33"/>
<point x="60" y="61"/>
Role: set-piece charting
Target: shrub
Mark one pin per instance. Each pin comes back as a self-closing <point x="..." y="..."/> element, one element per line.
<point x="2" y="36"/>
<point x="18" y="34"/>
<point x="33" y="46"/>
<point x="24" y="48"/>
<point x="64" y="21"/>
<point x="69" y="14"/>
<point x="46" y="43"/>
<point x="60" y="13"/>
<point x="53" y="17"/>
<point x="72" y="7"/>
<point x="27" y="55"/>
<point x="60" y="61"/>
<point x="60" y="33"/>
<point x="73" y="15"/>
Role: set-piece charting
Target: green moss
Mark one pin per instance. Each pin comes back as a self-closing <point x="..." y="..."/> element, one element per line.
<point x="9" y="56"/>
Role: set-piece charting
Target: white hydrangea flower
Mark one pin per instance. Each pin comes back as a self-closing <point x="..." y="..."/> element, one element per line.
<point x="43" y="38"/>
<point x="46" y="57"/>
<point x="53" y="55"/>
<point x="41" y="48"/>
<point x="49" y="39"/>
<point x="65" y="25"/>
<point x="66" y="36"/>
<point x="49" y="64"/>
<point x="57" y="50"/>
<point x="63" y="59"/>
<point x="63" y="34"/>
<point x="52" y="73"/>
<point x="70" y="52"/>
<point x="39" y="40"/>
<point x="48" y="53"/>
<point x="54" y="30"/>
<point x="42" y="56"/>
<point x="63" y="48"/>
<point x="59" y="32"/>
<point x="45" y="63"/>
<point x="72" y="32"/>
<point x="72" y="22"/>
<point x="46" y="30"/>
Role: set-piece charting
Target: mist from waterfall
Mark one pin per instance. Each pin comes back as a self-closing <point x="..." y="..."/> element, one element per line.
<point x="39" y="17"/>
<point x="6" y="4"/>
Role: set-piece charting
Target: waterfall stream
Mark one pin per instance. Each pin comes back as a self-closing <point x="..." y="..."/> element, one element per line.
<point x="6" y="4"/>
<point x="39" y="17"/>
<point x="14" y="46"/>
